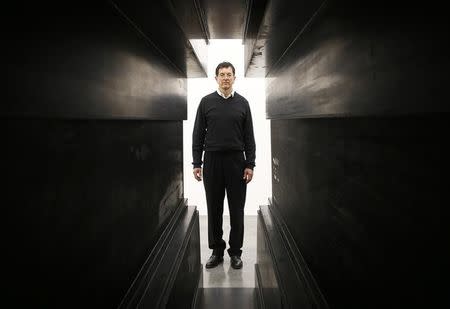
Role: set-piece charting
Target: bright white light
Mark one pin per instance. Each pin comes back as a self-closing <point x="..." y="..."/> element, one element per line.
<point x="253" y="89"/>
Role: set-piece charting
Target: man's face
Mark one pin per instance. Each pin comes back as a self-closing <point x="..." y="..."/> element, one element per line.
<point x="225" y="78"/>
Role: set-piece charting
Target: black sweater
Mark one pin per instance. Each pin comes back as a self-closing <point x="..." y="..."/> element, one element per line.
<point x="223" y="124"/>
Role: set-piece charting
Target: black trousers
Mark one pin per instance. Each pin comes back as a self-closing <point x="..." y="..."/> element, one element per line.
<point x="224" y="170"/>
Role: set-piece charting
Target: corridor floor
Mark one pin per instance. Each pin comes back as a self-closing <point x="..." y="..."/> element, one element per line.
<point x="223" y="286"/>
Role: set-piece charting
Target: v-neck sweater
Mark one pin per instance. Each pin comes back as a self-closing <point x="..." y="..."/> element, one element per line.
<point x="223" y="125"/>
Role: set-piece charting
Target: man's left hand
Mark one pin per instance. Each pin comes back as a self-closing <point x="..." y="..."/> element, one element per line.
<point x="248" y="175"/>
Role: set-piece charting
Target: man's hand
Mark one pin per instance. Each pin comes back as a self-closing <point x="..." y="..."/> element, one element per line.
<point x="198" y="173"/>
<point x="248" y="175"/>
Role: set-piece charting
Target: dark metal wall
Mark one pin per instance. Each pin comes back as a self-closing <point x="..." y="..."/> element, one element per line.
<point x="92" y="153"/>
<point x="225" y="19"/>
<point x="359" y="128"/>
<point x="271" y="31"/>
<point x="89" y="63"/>
<point x="355" y="60"/>
<point x="86" y="201"/>
<point x="169" y="25"/>
<point x="91" y="149"/>
<point x="365" y="201"/>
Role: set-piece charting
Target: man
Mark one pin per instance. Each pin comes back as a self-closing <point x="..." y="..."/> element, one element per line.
<point x="224" y="130"/>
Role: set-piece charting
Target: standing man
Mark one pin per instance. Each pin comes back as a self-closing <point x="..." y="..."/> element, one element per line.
<point x="224" y="130"/>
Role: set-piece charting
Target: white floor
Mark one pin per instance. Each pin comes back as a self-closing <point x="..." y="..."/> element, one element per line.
<point x="224" y="276"/>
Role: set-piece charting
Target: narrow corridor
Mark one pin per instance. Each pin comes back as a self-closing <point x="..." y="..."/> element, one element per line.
<point x="95" y="99"/>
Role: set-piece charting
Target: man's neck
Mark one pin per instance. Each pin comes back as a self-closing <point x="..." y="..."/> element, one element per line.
<point x="226" y="93"/>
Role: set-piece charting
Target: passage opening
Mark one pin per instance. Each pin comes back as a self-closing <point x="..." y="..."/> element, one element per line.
<point x="253" y="89"/>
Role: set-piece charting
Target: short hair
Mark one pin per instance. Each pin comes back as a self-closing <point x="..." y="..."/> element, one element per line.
<point x="225" y="64"/>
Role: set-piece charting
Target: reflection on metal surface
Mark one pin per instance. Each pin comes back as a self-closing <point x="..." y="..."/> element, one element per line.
<point x="144" y="88"/>
<point x="103" y="69"/>
<point x="225" y="18"/>
<point x="200" y="48"/>
<point x="357" y="61"/>
<point x="307" y="87"/>
<point x="278" y="29"/>
<point x="254" y="39"/>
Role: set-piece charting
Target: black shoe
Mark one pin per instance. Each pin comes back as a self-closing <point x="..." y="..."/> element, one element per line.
<point x="236" y="262"/>
<point x="213" y="261"/>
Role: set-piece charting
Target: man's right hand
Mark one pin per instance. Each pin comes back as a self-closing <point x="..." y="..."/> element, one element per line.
<point x="198" y="173"/>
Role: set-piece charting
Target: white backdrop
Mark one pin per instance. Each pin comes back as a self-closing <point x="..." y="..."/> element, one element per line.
<point x="253" y="89"/>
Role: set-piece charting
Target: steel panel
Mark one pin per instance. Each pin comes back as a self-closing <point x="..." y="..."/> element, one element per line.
<point x="102" y="67"/>
<point x="85" y="202"/>
<point x="360" y="60"/>
<point x="366" y="201"/>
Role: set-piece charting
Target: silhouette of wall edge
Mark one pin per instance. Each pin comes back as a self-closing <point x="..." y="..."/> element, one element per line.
<point x="169" y="277"/>
<point x="283" y="279"/>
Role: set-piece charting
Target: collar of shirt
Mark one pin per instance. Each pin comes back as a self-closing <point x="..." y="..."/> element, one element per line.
<point x="223" y="96"/>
